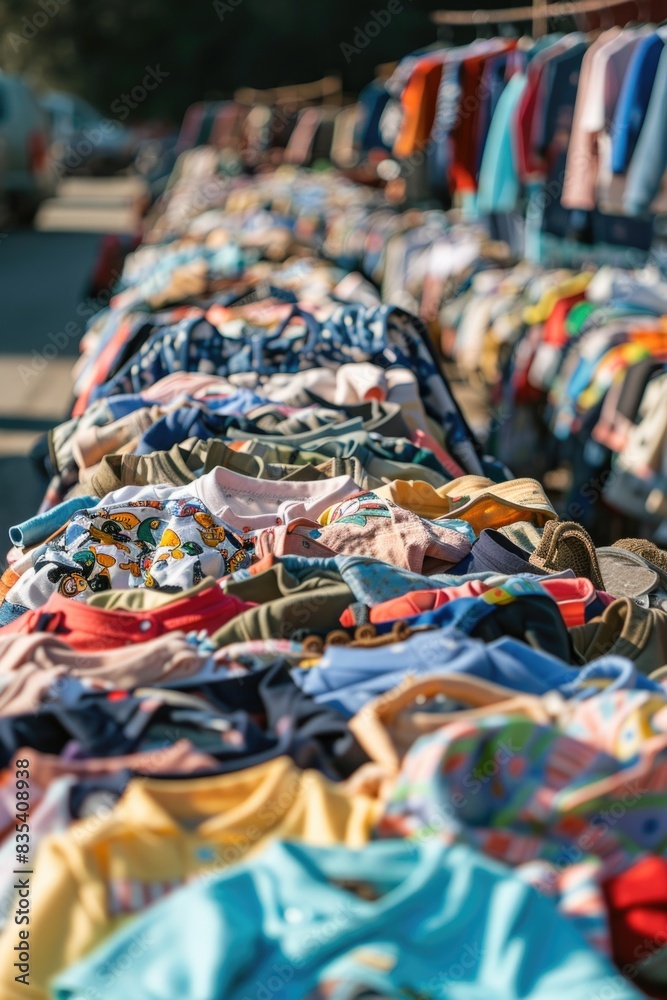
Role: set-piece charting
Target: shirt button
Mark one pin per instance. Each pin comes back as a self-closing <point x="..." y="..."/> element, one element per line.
<point x="206" y="854"/>
<point x="144" y="626"/>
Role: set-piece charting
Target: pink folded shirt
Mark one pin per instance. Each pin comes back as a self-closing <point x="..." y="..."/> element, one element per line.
<point x="245" y="503"/>
<point x="371" y="526"/>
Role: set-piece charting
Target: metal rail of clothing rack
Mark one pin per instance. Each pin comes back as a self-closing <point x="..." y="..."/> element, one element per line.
<point x="539" y="13"/>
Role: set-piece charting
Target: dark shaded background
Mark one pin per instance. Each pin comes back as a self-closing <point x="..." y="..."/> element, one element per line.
<point x="101" y="49"/>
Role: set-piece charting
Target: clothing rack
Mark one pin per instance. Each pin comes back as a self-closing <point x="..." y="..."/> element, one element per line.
<point x="538" y="13"/>
<point x="328" y="90"/>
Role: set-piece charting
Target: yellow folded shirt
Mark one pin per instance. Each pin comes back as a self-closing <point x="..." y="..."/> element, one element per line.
<point x="475" y="499"/>
<point x="91" y="879"/>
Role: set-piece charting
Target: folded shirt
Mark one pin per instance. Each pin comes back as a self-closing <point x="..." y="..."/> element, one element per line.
<point x="474" y="915"/>
<point x="110" y="622"/>
<point x="39" y="667"/>
<point x="150" y="543"/>
<point x="517" y="607"/>
<point x="522" y="790"/>
<point x="185" y="462"/>
<point x="368" y="525"/>
<point x="577" y="599"/>
<point x="475" y="499"/>
<point x="493" y="552"/>
<point x="347" y="678"/>
<point x="248" y="504"/>
<point x="287" y="604"/>
<point x="161" y="834"/>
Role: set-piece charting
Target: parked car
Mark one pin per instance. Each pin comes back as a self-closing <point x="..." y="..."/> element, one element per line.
<point x="155" y="159"/>
<point x="83" y="141"/>
<point x="5" y="214"/>
<point x="26" y="177"/>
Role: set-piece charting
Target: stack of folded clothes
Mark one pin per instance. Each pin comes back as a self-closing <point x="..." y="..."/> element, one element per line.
<point x="301" y="696"/>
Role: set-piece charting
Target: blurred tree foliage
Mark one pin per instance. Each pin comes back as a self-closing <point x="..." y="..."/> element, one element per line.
<point x="101" y="49"/>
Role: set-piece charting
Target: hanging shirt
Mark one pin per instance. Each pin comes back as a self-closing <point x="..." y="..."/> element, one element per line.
<point x="498" y="177"/>
<point x="647" y="166"/>
<point x="634" y="99"/>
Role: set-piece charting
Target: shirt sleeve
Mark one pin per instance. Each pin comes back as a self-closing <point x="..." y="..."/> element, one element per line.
<point x="650" y="158"/>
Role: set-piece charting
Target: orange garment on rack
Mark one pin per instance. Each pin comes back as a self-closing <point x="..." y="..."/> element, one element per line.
<point x="419" y="103"/>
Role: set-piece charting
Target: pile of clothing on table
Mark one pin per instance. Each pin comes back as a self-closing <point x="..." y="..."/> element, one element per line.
<point x="301" y="695"/>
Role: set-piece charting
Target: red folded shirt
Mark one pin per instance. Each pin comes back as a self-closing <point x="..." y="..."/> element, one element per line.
<point x="573" y="597"/>
<point x="90" y="628"/>
<point x="637" y="902"/>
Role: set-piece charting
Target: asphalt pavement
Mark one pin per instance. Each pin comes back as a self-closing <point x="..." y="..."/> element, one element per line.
<point x="44" y="279"/>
